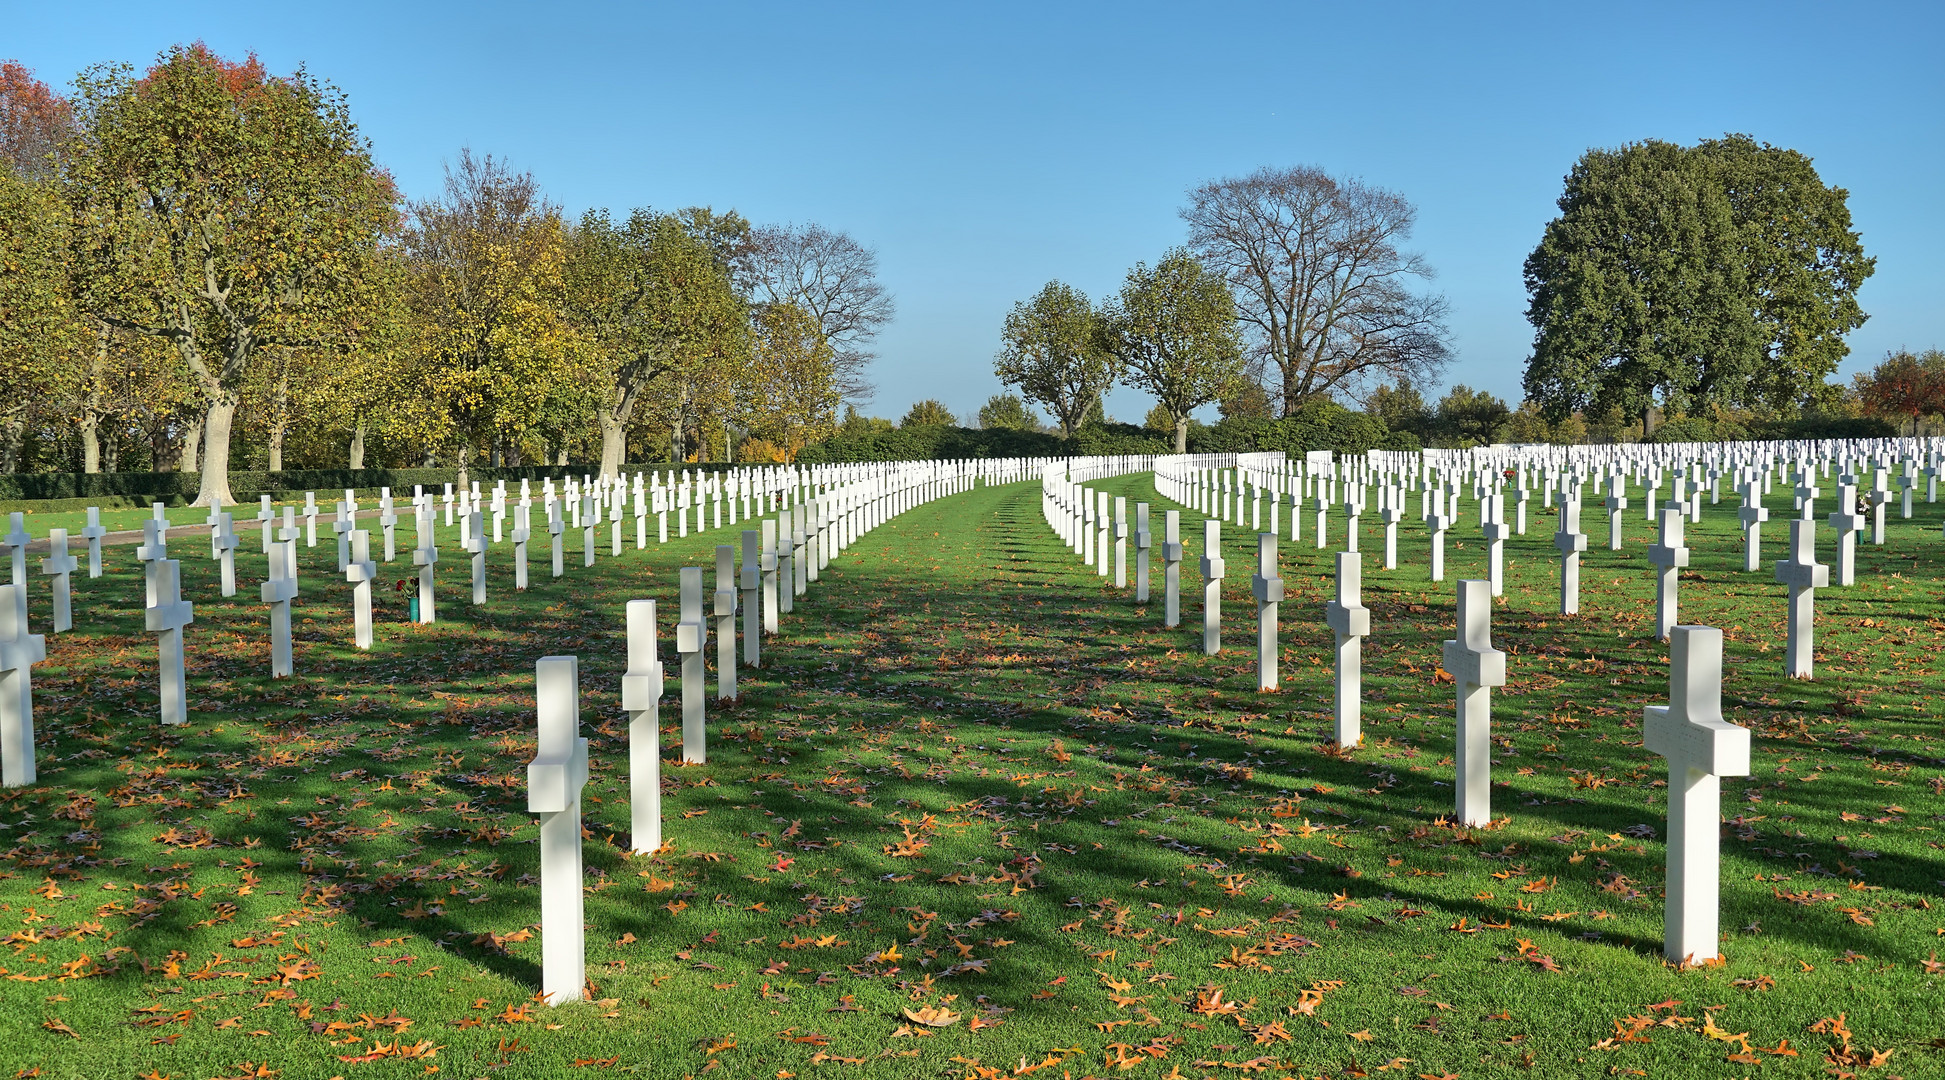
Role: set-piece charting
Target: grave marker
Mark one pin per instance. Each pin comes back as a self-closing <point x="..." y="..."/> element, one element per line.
<point x="19" y="652"/>
<point x="226" y="542"/>
<point x="59" y="565"/>
<point x="1570" y="542"/>
<point x="1669" y="555"/>
<point x="165" y="617"/>
<point x="691" y="636"/>
<point x="426" y="557"/>
<point x="725" y="621"/>
<point x="555" y="777"/>
<point x="1848" y="523"/>
<point x="1476" y="667"/>
<point x="1172" y="569"/>
<point x="1804" y="575"/>
<point x="641" y="698"/>
<point x="1267" y="586"/>
<point x="92" y="532"/>
<point x="1701" y="748"/>
<point x="1350" y="620"/>
<point x="1212" y="571"/>
<point x="752" y="602"/>
<point x="359" y="570"/>
<point x="278" y="592"/>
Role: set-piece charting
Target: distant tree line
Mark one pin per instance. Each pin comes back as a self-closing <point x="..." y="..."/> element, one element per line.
<point x="202" y="266"/>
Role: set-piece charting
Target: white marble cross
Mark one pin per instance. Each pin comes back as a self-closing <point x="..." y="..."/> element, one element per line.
<point x="1120" y="542"/>
<point x="226" y="543"/>
<point x="1570" y="542"/>
<point x="19" y="652"/>
<point x="588" y="505"/>
<point x="278" y="592"/>
<point x="771" y="623"/>
<point x="1880" y="495"/>
<point x="1172" y="569"/>
<point x="1669" y="555"/>
<point x="310" y="519"/>
<point x="1493" y="526"/>
<point x="1267" y="586"/>
<point x="153" y="550"/>
<point x="522" y="532"/>
<point x="92" y="532"/>
<point x="641" y="698"/>
<point x="555" y="778"/>
<point x="388" y="522"/>
<point x="1391" y="511"/>
<point x="1476" y="667"/>
<point x="266" y="522"/>
<point x="59" y="565"/>
<point x="359" y="571"/>
<point x="752" y="585"/>
<point x="725" y="612"/>
<point x="342" y="524"/>
<point x="1848" y="523"/>
<point x="1806" y="493"/>
<point x="475" y="545"/>
<point x="166" y="615"/>
<point x="1144" y="542"/>
<point x="691" y="636"/>
<point x="1701" y="747"/>
<point x="1350" y="620"/>
<point x="426" y="557"/>
<point x="1617" y="501"/>
<point x="1212" y="571"/>
<point x="1752" y="514"/>
<point x="786" y="561"/>
<point x="556" y="525"/>
<point x="1436" y="523"/>
<point x="1804" y="575"/>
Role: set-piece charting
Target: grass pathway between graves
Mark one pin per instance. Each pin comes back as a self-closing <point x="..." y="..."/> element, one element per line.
<point x="974" y="782"/>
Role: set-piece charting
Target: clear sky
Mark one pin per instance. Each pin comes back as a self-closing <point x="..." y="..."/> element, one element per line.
<point x="984" y="149"/>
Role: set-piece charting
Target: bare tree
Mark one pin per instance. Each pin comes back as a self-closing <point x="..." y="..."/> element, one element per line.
<point x="1321" y="280"/>
<point x="834" y="279"/>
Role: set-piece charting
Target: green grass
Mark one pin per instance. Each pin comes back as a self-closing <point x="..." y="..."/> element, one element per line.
<point x="1071" y="825"/>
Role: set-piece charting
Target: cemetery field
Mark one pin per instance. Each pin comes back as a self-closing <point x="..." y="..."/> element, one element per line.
<point x="981" y="815"/>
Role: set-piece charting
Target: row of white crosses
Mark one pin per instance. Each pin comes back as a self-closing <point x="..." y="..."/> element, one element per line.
<point x="771" y="557"/>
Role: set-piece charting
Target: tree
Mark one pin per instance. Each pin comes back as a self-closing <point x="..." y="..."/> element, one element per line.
<point x="788" y="392"/>
<point x="39" y="326"/>
<point x="1400" y="407"/>
<point x="226" y="211"/>
<point x="1724" y="273"/>
<point x="485" y="287"/>
<point x="1008" y="412"/>
<point x="1468" y="417"/>
<point x="857" y="425"/>
<point x="1173" y="330"/>
<point x="928" y="413"/>
<point x="1904" y="386"/>
<point x="1247" y="400"/>
<point x="1054" y="350"/>
<point x="655" y="302"/>
<point x="35" y="125"/>
<point x="831" y="277"/>
<point x="1322" y="281"/>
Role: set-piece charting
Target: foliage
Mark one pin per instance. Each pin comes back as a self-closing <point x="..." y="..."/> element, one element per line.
<point x="1054" y="350"/>
<point x="35" y="125"/>
<point x="832" y="278"/>
<point x="1723" y="273"/>
<point x="1904" y="385"/>
<point x="226" y="211"/>
<point x="788" y="393"/>
<point x="1319" y="424"/>
<point x="1687" y="429"/>
<point x="1008" y="411"/>
<point x="856" y="423"/>
<point x="1173" y="333"/>
<point x="1528" y="424"/>
<point x="1247" y="398"/>
<point x="1324" y="284"/>
<point x="930" y="412"/>
<point x="655" y="304"/>
<point x="1468" y="417"/>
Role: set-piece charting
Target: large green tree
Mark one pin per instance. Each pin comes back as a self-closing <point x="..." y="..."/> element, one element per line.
<point x="1725" y="273"/>
<point x="226" y="211"/>
<point x="654" y="301"/>
<point x="1055" y="350"/>
<point x="1173" y="331"/>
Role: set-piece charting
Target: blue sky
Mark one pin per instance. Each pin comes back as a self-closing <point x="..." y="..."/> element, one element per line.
<point x="984" y="149"/>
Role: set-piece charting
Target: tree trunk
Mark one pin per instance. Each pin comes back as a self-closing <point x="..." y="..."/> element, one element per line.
<point x="355" y="459"/>
<point x="91" y="403"/>
<point x="1182" y="434"/>
<point x="216" y="450"/>
<point x="277" y="447"/>
<point x="560" y="460"/>
<point x="192" y="446"/>
<point x="13" y="432"/>
<point x="614" y="442"/>
<point x="465" y="458"/>
<point x="1650" y="420"/>
<point x="111" y="461"/>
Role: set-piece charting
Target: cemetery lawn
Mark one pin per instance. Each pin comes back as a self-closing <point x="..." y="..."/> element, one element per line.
<point x="980" y="815"/>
